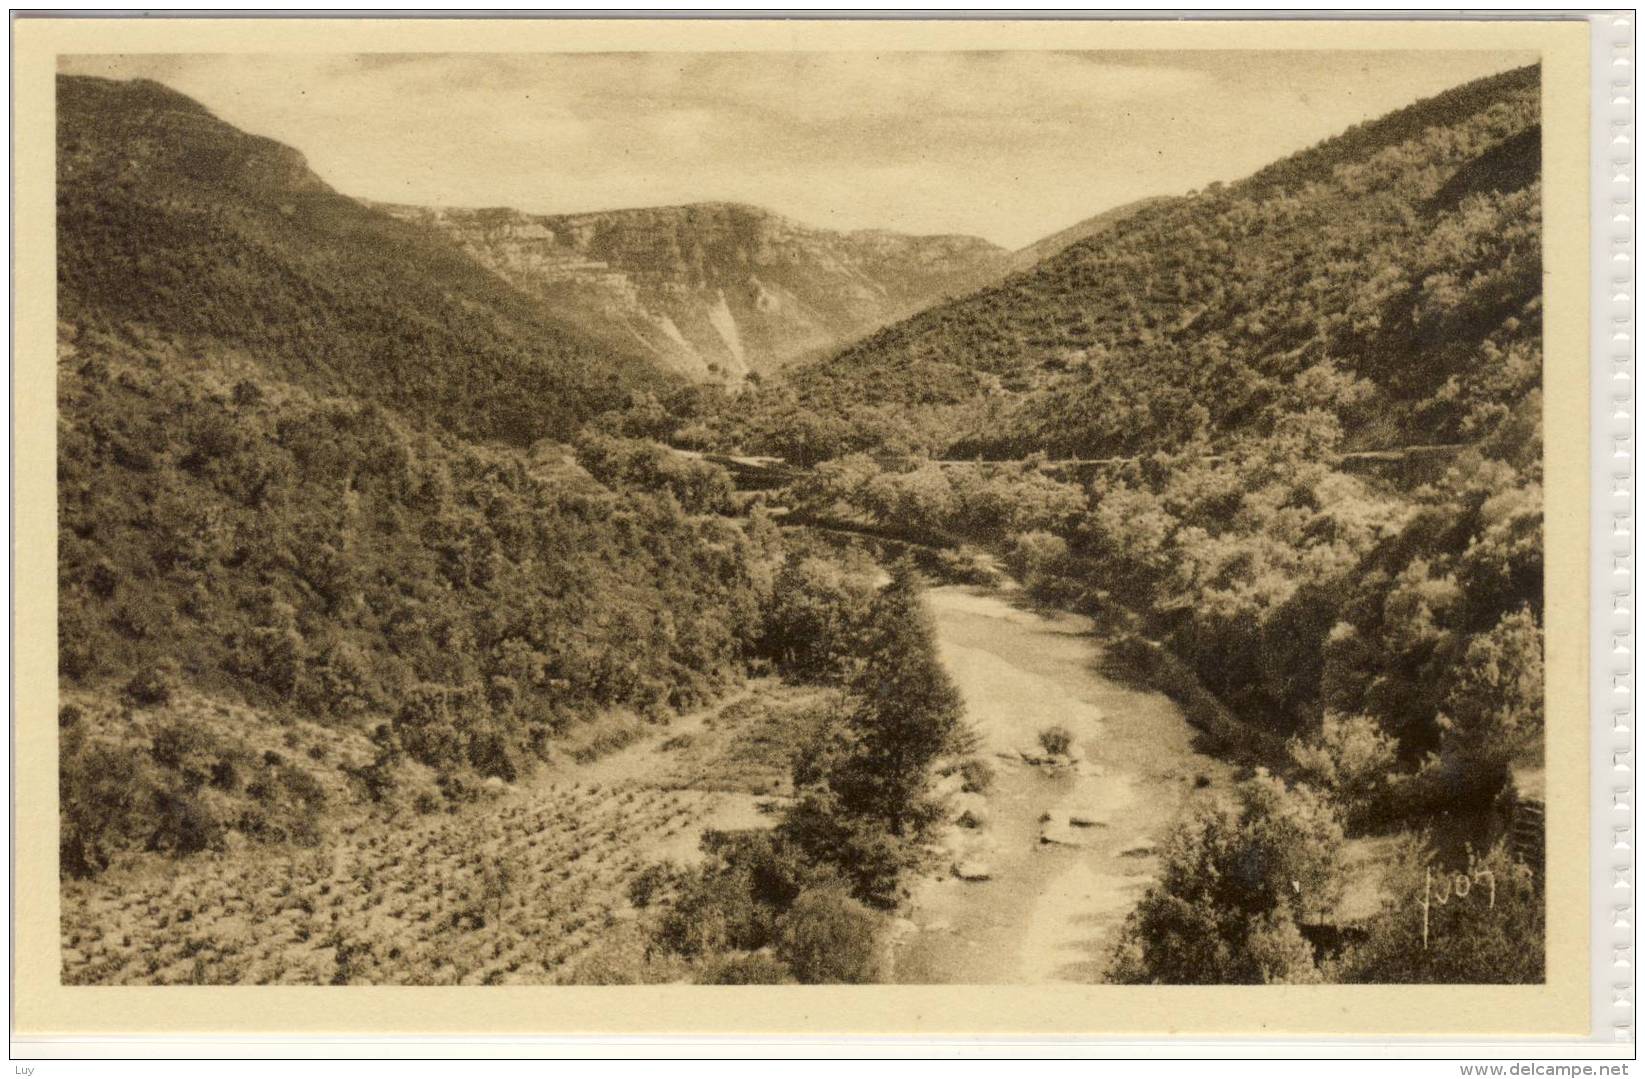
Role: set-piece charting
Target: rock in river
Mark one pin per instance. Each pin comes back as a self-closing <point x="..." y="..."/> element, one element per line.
<point x="1060" y="833"/>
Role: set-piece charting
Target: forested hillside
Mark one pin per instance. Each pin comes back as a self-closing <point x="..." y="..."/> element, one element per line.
<point x="1389" y="278"/>
<point x="1378" y="636"/>
<point x="1380" y="289"/>
<point x="304" y="479"/>
<point x="355" y="536"/>
<point x="174" y="224"/>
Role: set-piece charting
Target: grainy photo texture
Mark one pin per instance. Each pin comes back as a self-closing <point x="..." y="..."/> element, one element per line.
<point x="756" y="518"/>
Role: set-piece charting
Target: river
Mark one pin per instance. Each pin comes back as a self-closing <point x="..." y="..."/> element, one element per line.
<point x="1050" y="912"/>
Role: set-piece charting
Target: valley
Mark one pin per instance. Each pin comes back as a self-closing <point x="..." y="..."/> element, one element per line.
<point x="1068" y="851"/>
<point x="715" y="291"/>
<point x="687" y="595"/>
<point x="534" y="880"/>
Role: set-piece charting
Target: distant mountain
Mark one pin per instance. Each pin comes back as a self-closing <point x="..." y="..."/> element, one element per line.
<point x="1390" y="276"/>
<point x="713" y="291"/>
<point x="174" y="224"/>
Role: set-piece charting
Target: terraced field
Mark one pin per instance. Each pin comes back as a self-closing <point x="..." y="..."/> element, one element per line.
<point x="514" y="889"/>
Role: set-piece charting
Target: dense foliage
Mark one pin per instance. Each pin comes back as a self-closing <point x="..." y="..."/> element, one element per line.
<point x="865" y="804"/>
<point x="1236" y="884"/>
<point x="1218" y="362"/>
<point x="323" y="559"/>
<point x="173" y="224"/>
<point x="1390" y="277"/>
<point x="1227" y="350"/>
<point x="314" y="470"/>
<point x="805" y="899"/>
<point x="1486" y="923"/>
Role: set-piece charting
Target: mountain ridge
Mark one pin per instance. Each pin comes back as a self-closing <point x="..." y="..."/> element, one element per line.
<point x="172" y="222"/>
<point x="713" y="290"/>
<point x="1195" y="316"/>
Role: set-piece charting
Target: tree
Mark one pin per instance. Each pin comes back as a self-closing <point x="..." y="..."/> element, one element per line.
<point x="864" y="805"/>
<point x="1491" y="934"/>
<point x="858" y="848"/>
<point x="828" y="937"/>
<point x="817" y="618"/>
<point x="1233" y="888"/>
<point x="908" y="714"/>
<point x="1493" y="711"/>
<point x="1350" y="759"/>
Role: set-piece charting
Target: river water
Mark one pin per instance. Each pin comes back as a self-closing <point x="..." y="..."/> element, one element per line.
<point x="1051" y="911"/>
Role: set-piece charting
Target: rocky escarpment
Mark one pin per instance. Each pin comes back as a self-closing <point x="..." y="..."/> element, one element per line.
<point x="714" y="291"/>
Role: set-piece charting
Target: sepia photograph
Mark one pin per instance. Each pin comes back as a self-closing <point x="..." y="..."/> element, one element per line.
<point x="807" y="517"/>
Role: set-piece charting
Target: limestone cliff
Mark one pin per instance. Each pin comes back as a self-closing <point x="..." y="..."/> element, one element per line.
<point x="714" y="291"/>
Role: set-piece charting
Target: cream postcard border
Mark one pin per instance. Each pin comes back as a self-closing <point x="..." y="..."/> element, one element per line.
<point x="42" y="1006"/>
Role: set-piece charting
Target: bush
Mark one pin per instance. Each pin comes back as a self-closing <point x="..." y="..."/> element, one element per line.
<point x="829" y="938"/>
<point x="978" y="776"/>
<point x="855" y="847"/>
<point x="187" y="824"/>
<point x="1057" y="740"/>
<point x="153" y="686"/>
<point x="189" y="750"/>
<point x="651" y="880"/>
<point x="623" y="957"/>
<point x="1476" y="939"/>
<point x="1233" y="886"/>
<point x="755" y="969"/>
<point x="1351" y="760"/>
<point x="716" y="910"/>
<point x="1038" y="558"/>
<point x="104" y="798"/>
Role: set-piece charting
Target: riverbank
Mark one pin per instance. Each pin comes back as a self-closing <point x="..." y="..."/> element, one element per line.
<point x="1050" y="911"/>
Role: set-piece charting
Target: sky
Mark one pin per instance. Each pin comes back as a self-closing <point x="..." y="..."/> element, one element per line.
<point x="1010" y="146"/>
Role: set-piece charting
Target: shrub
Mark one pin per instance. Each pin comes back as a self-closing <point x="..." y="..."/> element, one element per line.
<point x="648" y="882"/>
<point x="189" y="750"/>
<point x="1476" y="939"/>
<point x="1351" y="760"/>
<point x="1056" y="740"/>
<point x="1038" y="559"/>
<point x="186" y="825"/>
<point x="104" y="799"/>
<point x="77" y="654"/>
<point x="755" y="969"/>
<point x="734" y="900"/>
<point x="715" y="910"/>
<point x="103" y="579"/>
<point x="247" y="394"/>
<point x="829" y="938"/>
<point x="1232" y="888"/>
<point x="153" y="686"/>
<point x="856" y="847"/>
<point x="977" y="775"/>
